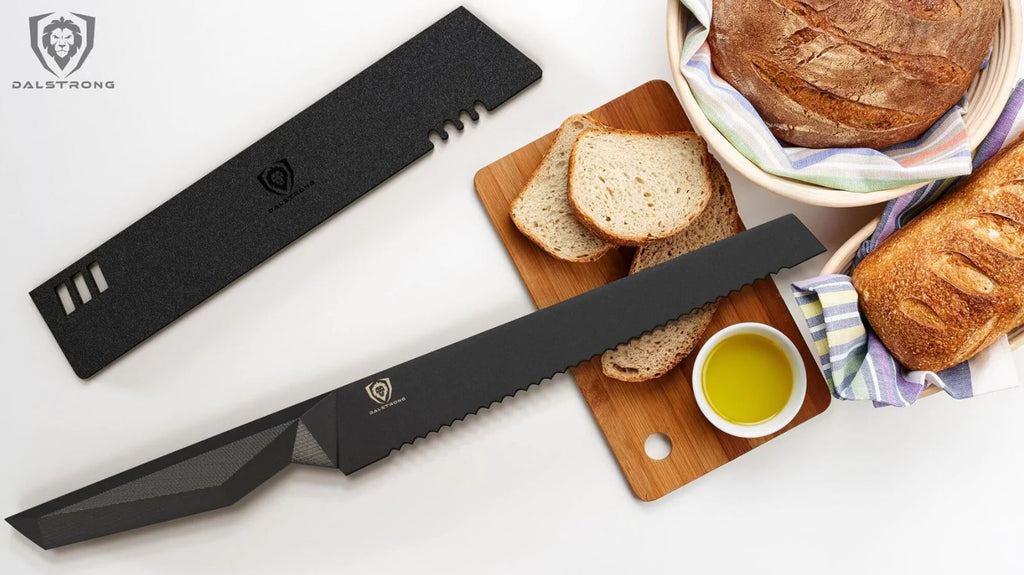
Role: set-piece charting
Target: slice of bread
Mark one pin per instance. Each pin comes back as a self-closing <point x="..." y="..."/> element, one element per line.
<point x="542" y="212"/>
<point x="632" y="188"/>
<point x="654" y="354"/>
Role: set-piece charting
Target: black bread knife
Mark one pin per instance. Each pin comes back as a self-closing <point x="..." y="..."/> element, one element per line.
<point x="362" y="422"/>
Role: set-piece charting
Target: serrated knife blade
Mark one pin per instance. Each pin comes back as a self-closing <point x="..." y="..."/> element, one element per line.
<point x="362" y="422"/>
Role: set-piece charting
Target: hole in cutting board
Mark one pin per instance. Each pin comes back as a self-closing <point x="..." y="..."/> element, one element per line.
<point x="658" y="446"/>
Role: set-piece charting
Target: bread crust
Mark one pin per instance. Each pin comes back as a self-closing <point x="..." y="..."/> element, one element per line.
<point x="525" y="230"/>
<point x="951" y="282"/>
<point x="870" y="73"/>
<point x="623" y="240"/>
<point x="702" y="316"/>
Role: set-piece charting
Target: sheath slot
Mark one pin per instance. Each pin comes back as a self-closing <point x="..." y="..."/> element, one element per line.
<point x="97" y="276"/>
<point x="83" y="289"/>
<point x="437" y="137"/>
<point x="65" y="299"/>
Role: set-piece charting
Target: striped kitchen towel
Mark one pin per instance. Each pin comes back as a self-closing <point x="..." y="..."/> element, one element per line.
<point x="941" y="152"/>
<point x="855" y="363"/>
<point x="901" y="210"/>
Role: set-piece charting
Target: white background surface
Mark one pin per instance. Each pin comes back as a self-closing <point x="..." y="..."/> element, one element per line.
<point x="528" y="486"/>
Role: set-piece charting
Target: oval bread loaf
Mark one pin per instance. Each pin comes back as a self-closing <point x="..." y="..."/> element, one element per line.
<point x="873" y="73"/>
<point x="951" y="281"/>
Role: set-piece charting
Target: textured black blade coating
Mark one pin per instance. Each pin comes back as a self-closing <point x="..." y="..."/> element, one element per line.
<point x="213" y="473"/>
<point x="362" y="422"/>
<point x="436" y="389"/>
<point x="279" y="188"/>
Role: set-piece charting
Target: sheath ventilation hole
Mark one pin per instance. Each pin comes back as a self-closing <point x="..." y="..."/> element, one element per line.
<point x="658" y="446"/>
<point x="436" y="139"/>
<point x="65" y="299"/>
<point x="83" y="289"/>
<point x="97" y="277"/>
<point x="479" y="109"/>
<point x="454" y="124"/>
<point x="452" y="127"/>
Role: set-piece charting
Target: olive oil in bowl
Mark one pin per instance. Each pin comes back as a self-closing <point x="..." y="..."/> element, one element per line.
<point x="749" y="380"/>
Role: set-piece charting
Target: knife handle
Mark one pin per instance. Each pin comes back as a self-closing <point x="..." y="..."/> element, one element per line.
<point x="207" y="475"/>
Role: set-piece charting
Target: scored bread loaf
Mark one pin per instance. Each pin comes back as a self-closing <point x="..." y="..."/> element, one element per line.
<point x="541" y="211"/>
<point x="653" y="354"/>
<point x="825" y="73"/>
<point x="631" y="188"/>
<point x="951" y="281"/>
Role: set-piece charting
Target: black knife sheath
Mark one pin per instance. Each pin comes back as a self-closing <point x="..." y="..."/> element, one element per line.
<point x="277" y="189"/>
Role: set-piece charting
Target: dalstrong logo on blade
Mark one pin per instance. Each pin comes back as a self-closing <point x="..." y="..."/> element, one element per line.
<point x="62" y="40"/>
<point x="380" y="390"/>
<point x="278" y="178"/>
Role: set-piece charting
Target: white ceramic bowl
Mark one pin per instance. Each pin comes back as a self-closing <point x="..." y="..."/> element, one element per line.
<point x="796" y="399"/>
<point x="987" y="96"/>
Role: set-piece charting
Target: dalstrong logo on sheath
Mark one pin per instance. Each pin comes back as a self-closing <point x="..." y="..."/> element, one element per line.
<point x="277" y="178"/>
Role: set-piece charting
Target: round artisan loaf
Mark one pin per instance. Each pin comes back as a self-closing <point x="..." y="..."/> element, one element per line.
<point x="951" y="281"/>
<point x="842" y="73"/>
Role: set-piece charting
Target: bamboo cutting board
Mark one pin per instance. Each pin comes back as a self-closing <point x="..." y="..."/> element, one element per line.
<point x="629" y="413"/>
